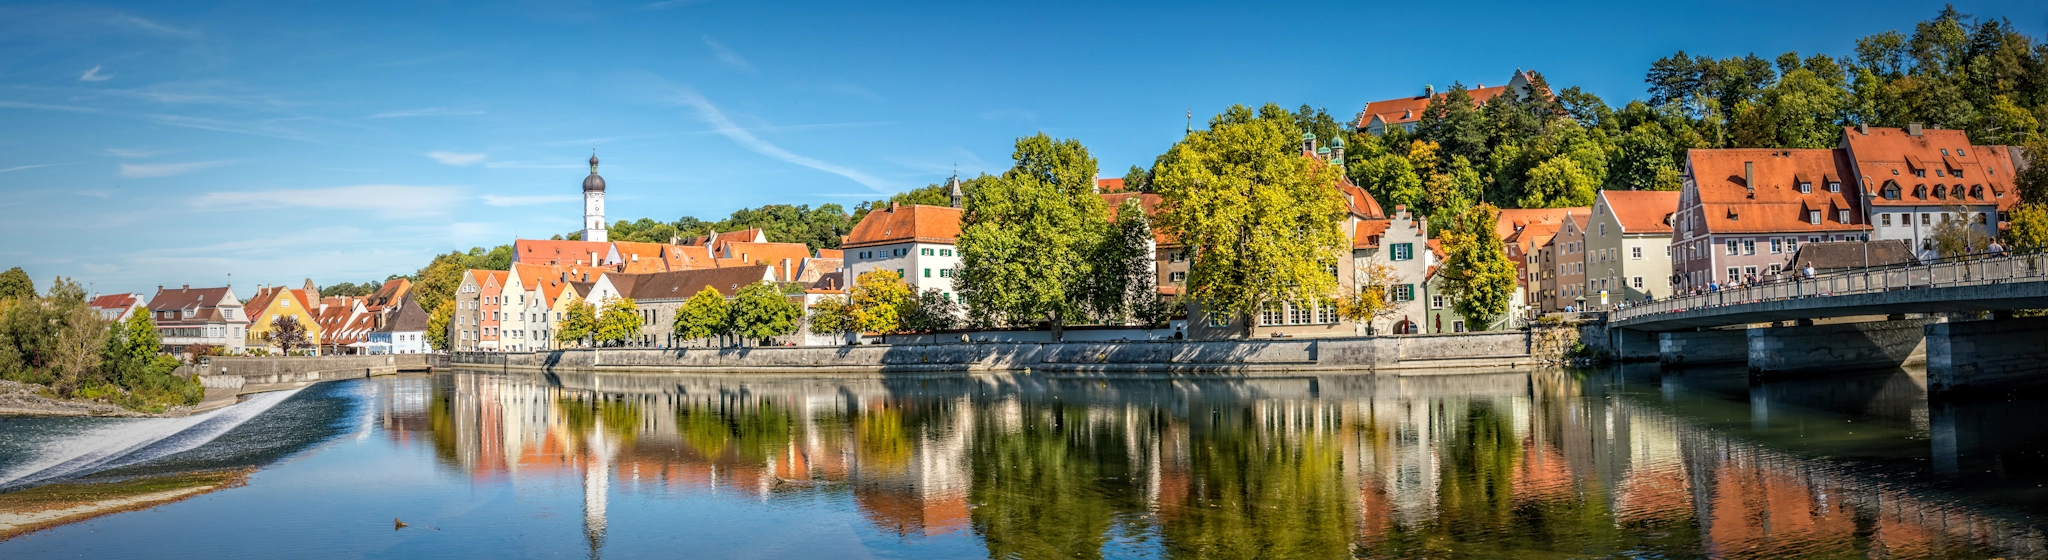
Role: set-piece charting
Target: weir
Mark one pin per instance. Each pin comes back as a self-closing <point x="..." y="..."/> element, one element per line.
<point x="121" y="443"/>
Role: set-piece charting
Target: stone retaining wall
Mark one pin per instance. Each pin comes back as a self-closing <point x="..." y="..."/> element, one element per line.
<point x="215" y="371"/>
<point x="1470" y="350"/>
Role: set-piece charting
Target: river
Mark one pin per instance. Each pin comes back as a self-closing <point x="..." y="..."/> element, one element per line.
<point x="1616" y="462"/>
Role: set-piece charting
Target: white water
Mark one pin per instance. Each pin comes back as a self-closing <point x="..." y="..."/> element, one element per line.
<point x="130" y="442"/>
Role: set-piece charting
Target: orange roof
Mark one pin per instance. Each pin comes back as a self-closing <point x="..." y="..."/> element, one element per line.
<point x="899" y="224"/>
<point x="716" y="241"/>
<point x="773" y="254"/>
<point x="1362" y="203"/>
<point x="553" y="252"/>
<point x="1887" y="156"/>
<point x="1109" y="185"/>
<point x="1409" y="109"/>
<point x="1368" y="234"/>
<point x="1777" y="204"/>
<point x="1642" y="211"/>
<point x="121" y="301"/>
<point x="831" y="254"/>
<point x="1512" y="219"/>
<point x="1435" y="248"/>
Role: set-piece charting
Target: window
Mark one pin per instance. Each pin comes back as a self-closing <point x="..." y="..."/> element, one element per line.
<point x="1749" y="246"/>
<point x="1734" y="273"/>
<point x="1636" y="281"/>
<point x="1921" y="173"/>
<point x="1749" y="271"/>
<point x="1667" y="250"/>
<point x="1842" y="216"/>
<point x="1734" y="247"/>
<point x="1959" y="153"/>
<point x="945" y="252"/>
<point x="1924" y="218"/>
<point x="1777" y="245"/>
<point x="1813" y="217"/>
<point x="1805" y="187"/>
<point x="1958" y="173"/>
<point x="1774" y="270"/>
<point x="1177" y="256"/>
<point x="1944" y="217"/>
<point x="1436" y="301"/>
<point x="1636" y="253"/>
<point x="1938" y="173"/>
<point x="1886" y="219"/>
<point x="1404" y="251"/>
<point x="1813" y="239"/>
<point x="1404" y="292"/>
<point x="1457" y="326"/>
<point x="899" y="273"/>
<point x="1177" y="277"/>
<point x="925" y="252"/>
<point x="1980" y="217"/>
<point x="945" y="273"/>
<point x="1834" y="186"/>
<point x="1891" y="190"/>
<point x="1603" y="230"/>
<point x="1791" y="244"/>
<point x="927" y="273"/>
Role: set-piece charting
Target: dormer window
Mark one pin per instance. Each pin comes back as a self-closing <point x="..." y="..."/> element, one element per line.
<point x="1813" y="217"/>
<point x="1958" y="173"/>
<point x="1805" y="187"/>
<point x="1834" y="186"/>
<point x="1891" y="190"/>
<point x="1940" y="192"/>
<point x="1842" y="216"/>
<point x="1956" y="192"/>
<point x="1921" y="173"/>
<point x="1920" y="191"/>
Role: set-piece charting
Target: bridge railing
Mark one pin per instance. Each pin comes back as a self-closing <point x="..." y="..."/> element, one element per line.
<point x="1939" y="274"/>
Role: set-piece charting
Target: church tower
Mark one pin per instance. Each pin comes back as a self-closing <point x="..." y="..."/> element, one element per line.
<point x="593" y="204"/>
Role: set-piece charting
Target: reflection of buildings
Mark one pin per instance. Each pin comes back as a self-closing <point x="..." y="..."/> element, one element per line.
<point x="1325" y="466"/>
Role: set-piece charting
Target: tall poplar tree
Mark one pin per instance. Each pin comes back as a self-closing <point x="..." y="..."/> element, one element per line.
<point x="1476" y="272"/>
<point x="1262" y="219"/>
<point x="1026" y="237"/>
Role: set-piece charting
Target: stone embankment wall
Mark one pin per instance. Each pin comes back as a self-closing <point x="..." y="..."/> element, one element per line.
<point x="1414" y="353"/>
<point x="232" y="372"/>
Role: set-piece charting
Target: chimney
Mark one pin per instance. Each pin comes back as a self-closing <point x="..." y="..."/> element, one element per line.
<point x="1913" y="129"/>
<point x="785" y="270"/>
<point x="892" y="206"/>
<point x="187" y="287"/>
<point x="1749" y="177"/>
<point x="1863" y="128"/>
<point x="593" y="258"/>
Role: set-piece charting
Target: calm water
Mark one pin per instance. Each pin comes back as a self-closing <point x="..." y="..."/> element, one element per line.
<point x="1614" y="463"/>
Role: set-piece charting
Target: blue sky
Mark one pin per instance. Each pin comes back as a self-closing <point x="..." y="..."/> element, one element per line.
<point x="161" y="143"/>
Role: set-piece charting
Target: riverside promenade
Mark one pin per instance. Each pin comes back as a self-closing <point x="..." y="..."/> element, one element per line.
<point x="1409" y="355"/>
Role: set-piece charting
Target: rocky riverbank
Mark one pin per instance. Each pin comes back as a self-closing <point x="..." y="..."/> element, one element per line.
<point x="27" y="399"/>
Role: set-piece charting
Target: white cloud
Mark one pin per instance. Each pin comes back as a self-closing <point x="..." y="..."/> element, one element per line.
<point x="499" y="200"/>
<point x="427" y="112"/>
<point x="725" y="126"/>
<point x="94" y="75"/>
<point x="729" y="57"/>
<point x="21" y="167"/>
<point x="391" y="201"/>
<point x="117" y="152"/>
<point x="159" y="28"/>
<point x="145" y="171"/>
<point x="457" y="159"/>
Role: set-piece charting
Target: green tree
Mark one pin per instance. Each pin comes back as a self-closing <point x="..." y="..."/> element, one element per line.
<point x="15" y="284"/>
<point x="578" y="323"/>
<point x="438" y="323"/>
<point x="134" y="362"/>
<point x="932" y="311"/>
<point x="830" y="316"/>
<point x="1452" y="120"/>
<point x="1123" y="277"/>
<point x="1025" y="237"/>
<point x="620" y="322"/>
<point x="1642" y="160"/>
<point x="875" y="303"/>
<point x="287" y="334"/>
<point x="2029" y="228"/>
<point x="1476" y="273"/>
<point x="57" y="340"/>
<point x="1263" y="220"/>
<point x="706" y="314"/>
<point x="761" y="312"/>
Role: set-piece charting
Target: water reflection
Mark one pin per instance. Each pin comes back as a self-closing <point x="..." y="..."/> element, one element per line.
<point x="1619" y="463"/>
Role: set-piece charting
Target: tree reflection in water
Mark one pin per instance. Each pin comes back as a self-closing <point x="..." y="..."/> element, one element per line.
<point x="1525" y="464"/>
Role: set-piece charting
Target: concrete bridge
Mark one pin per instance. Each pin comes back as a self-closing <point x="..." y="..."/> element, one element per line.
<point x="1867" y="318"/>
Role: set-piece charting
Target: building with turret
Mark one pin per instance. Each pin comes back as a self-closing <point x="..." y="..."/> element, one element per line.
<point x="593" y="204"/>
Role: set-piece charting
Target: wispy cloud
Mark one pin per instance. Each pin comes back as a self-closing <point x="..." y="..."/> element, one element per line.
<point x="529" y="165"/>
<point x="21" y="167"/>
<point x="94" y="75"/>
<point x="427" y="112"/>
<point x="499" y="200"/>
<point x="117" y="152"/>
<point x="729" y="57"/>
<point x="666" y="4"/>
<point x="154" y="27"/>
<point x="725" y="126"/>
<point x="145" y="171"/>
<point x="456" y="158"/>
<point x="391" y="201"/>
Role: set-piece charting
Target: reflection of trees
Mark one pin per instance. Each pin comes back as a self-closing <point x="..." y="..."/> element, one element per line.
<point x="1257" y="492"/>
<point x="582" y="417"/>
<point x="754" y="431"/>
<point x="1051" y="485"/>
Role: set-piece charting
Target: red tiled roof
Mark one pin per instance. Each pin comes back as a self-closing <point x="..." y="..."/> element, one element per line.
<point x="1642" y="211"/>
<point x="831" y="254"/>
<point x="1110" y="185"/>
<point x="553" y="252"/>
<point x="899" y="224"/>
<point x="1409" y="109"/>
<point x="115" y="301"/>
<point x="1369" y="232"/>
<point x="1512" y="219"/>
<point x="168" y="299"/>
<point x="1777" y="205"/>
<point x="1890" y="155"/>
<point x="771" y="254"/>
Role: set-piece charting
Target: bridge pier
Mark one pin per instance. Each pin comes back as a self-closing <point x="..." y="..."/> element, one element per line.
<point x="1987" y="354"/>
<point x="1836" y="347"/>
<point x="1630" y="345"/>
<point x="1702" y="348"/>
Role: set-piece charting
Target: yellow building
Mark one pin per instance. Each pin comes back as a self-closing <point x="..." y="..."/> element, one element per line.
<point x="274" y="302"/>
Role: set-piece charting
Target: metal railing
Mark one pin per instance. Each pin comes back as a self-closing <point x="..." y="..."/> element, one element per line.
<point x="1946" y="273"/>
